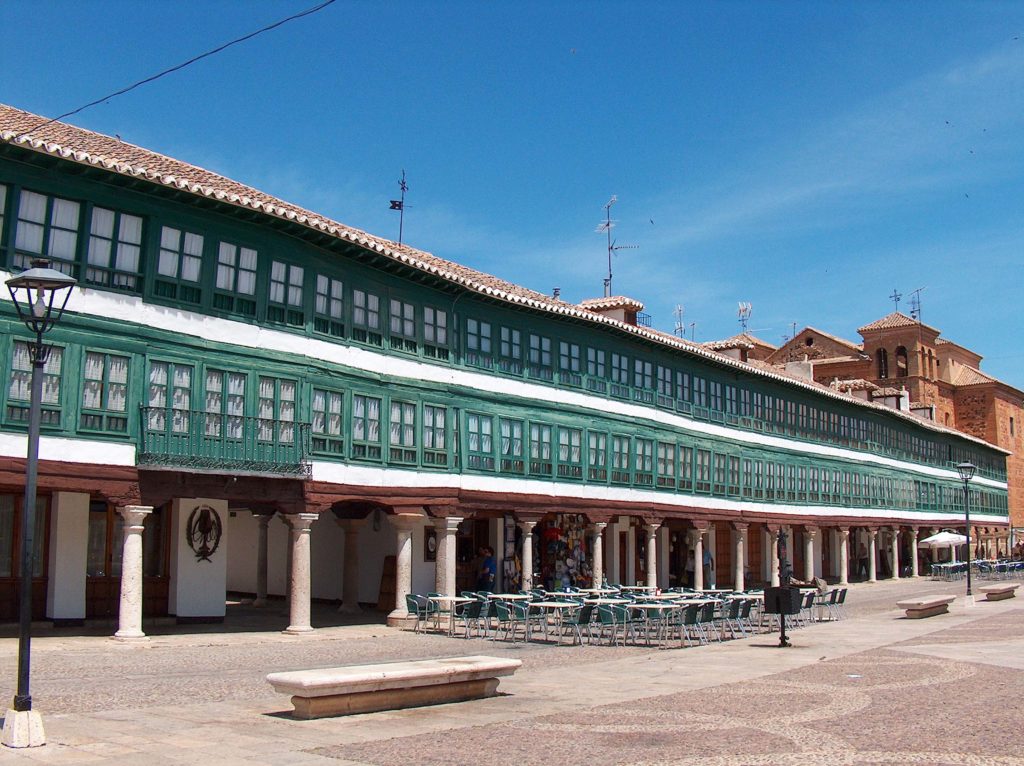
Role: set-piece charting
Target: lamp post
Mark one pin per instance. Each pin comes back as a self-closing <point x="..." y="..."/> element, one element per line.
<point x="966" y="471"/>
<point x="785" y="575"/>
<point x="40" y="295"/>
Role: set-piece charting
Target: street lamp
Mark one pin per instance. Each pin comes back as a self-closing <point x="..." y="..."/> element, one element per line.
<point x="40" y="295"/>
<point x="966" y="471"/>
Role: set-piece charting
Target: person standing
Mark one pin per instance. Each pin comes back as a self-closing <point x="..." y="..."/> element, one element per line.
<point x="488" y="571"/>
<point x="708" y="563"/>
<point x="862" y="561"/>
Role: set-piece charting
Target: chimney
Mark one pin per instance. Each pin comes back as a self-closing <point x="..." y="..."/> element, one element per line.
<point x="556" y="293"/>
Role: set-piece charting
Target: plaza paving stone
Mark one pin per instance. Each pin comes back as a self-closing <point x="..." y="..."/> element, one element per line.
<point x="874" y="688"/>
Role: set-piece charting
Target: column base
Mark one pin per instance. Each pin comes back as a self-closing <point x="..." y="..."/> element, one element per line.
<point x="131" y="636"/>
<point x="23" y="728"/>
<point x="401" y="619"/>
<point x="298" y="630"/>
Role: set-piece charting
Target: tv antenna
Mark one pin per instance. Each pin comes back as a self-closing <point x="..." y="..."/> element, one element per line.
<point x="680" y="329"/>
<point x="693" y="331"/>
<point x="895" y="298"/>
<point x="915" y="304"/>
<point x="743" y="313"/>
<point x="399" y="205"/>
<point x="606" y="227"/>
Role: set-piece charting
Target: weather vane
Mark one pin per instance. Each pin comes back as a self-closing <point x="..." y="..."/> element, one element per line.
<point x="399" y="205"/>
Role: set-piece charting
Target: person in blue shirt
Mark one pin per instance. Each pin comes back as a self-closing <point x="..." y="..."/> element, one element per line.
<point x="488" y="570"/>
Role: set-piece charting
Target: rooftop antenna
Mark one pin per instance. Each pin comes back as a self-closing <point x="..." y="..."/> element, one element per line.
<point x="693" y="332"/>
<point x="743" y="313"/>
<point x="678" y="312"/>
<point x="399" y="205"/>
<point x="606" y="227"/>
<point x="895" y="298"/>
<point x="915" y="304"/>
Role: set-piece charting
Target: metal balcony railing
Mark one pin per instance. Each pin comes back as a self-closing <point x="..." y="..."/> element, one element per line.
<point x="191" y="439"/>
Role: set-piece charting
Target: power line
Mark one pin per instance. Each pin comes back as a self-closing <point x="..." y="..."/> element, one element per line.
<point x="225" y="46"/>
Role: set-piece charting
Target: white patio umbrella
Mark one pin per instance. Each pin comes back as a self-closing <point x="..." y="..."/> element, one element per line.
<point x="945" y="540"/>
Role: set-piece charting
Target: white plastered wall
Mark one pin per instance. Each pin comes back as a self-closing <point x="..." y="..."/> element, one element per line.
<point x="197" y="588"/>
<point x="69" y="541"/>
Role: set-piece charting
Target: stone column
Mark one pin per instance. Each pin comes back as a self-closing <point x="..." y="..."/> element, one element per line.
<point x="652" y="554"/>
<point x="350" y="573"/>
<point x="630" y="555"/>
<point x="698" y="558"/>
<point x="598" y="563"/>
<point x="773" y="548"/>
<point x="664" y="555"/>
<point x="739" y="539"/>
<point x="914" y="565"/>
<point x="527" y="528"/>
<point x="444" y="567"/>
<point x="810" y="535"/>
<point x="404" y="524"/>
<point x="299" y="585"/>
<point x="895" y="548"/>
<point x="844" y="555"/>
<point x="129" y="624"/>
<point x="287" y="565"/>
<point x="872" y="553"/>
<point x="263" y="519"/>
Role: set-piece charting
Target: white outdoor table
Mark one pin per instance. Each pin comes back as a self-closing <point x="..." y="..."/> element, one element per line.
<point x="510" y="596"/>
<point x="451" y="601"/>
<point x="558" y="609"/>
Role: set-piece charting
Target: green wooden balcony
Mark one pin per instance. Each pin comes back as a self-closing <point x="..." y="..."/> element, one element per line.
<point x="201" y="441"/>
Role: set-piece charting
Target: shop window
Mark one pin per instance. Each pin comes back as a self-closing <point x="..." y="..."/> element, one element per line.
<point x="570" y="453"/>
<point x="569" y="364"/>
<point x="480" y="441"/>
<point x="366" y="327"/>
<point x="276" y="411"/>
<point x="19" y="391"/>
<point x="11" y="509"/>
<point x="402" y="433"/>
<point x="510" y="351"/>
<point x="511" y="445"/>
<point x="403" y="326"/>
<point x="225" y="404"/>
<point x="597" y="456"/>
<point x="105" y="542"/>
<point x="105" y="392"/>
<point x="478" y="343"/>
<point x="284" y="300"/>
<point x="620" y="459"/>
<point x="540" y="357"/>
<point x="326" y="423"/>
<point x="435" y="435"/>
<point x="540" y="449"/>
<point x="47" y="227"/>
<point x="366" y="427"/>
<point x="435" y="332"/>
<point x="170" y="397"/>
<point x="328" y="305"/>
<point x="179" y="266"/>
<point x="115" y="246"/>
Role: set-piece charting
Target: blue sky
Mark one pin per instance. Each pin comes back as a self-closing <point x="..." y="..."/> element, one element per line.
<point x="807" y="157"/>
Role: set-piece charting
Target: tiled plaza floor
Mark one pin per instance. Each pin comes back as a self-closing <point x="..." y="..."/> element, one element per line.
<point x="873" y="689"/>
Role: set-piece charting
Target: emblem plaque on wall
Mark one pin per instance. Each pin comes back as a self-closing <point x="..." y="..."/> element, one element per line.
<point x="203" y="531"/>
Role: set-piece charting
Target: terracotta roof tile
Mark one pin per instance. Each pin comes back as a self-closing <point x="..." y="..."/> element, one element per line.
<point x="613" y="302"/>
<point x="742" y="340"/>
<point x="968" y="376"/>
<point x="890" y="321"/>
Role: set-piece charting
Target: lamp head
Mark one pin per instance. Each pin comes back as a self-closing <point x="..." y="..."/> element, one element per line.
<point x="966" y="471"/>
<point x="40" y="295"/>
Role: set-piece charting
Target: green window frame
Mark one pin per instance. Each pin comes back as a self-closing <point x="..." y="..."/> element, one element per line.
<point x="718" y="466"/>
<point x="170" y="397"/>
<point x="224" y="404"/>
<point x="366" y="427"/>
<point x="479" y="441"/>
<point x="748" y="477"/>
<point x="510" y="351"/>
<point x="540" y="357"/>
<point x="478" y="343"/>
<point x="667" y="463"/>
<point x="759" y="480"/>
<point x="511" y="432"/>
<point x="435" y="332"/>
<point x="686" y="468"/>
<point x="402" y="432"/>
<point x="733" y="487"/>
<point x="235" y="284"/>
<point x="275" y="406"/>
<point x="703" y="471"/>
<point x="801" y="483"/>
<point x="329" y="306"/>
<point x="570" y="366"/>
<point x="114" y="256"/>
<point x="179" y="267"/>
<point x="684" y="388"/>
<point x="597" y="456"/>
<point x="435" y="435"/>
<point x="664" y="386"/>
<point x="596" y="370"/>
<point x="620" y="459"/>
<point x="730" y="400"/>
<point x="700" y="392"/>
<point x="570" y="453"/>
<point x="327" y="422"/>
<point x="540" y="449"/>
<point x="366" y="327"/>
<point x="47" y="227"/>
<point x="715" y="400"/>
<point x="402" y="324"/>
<point x="620" y="374"/>
<point x="19" y="390"/>
<point x="105" y="392"/>
<point x="285" y="294"/>
<point x="643" y="462"/>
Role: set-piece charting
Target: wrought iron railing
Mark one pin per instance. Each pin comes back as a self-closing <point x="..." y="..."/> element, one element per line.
<point x="191" y="439"/>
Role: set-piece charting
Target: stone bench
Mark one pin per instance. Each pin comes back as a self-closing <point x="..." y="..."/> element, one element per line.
<point x="1000" y="591"/>
<point x="925" y="606"/>
<point x="392" y="685"/>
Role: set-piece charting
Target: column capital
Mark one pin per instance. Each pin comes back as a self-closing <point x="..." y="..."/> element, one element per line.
<point x="652" y="527"/>
<point x="701" y="527"/>
<point x="527" y="525"/>
<point x="599" y="526"/>
<point x="134" y="515"/>
<point x="811" y="530"/>
<point x="263" y="519"/>
<point x="448" y="523"/>
<point x="406" y="521"/>
<point x="872" y="532"/>
<point x="301" y="522"/>
<point x="740" y="526"/>
<point x="913" y="533"/>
